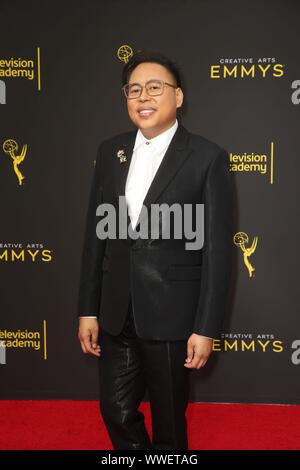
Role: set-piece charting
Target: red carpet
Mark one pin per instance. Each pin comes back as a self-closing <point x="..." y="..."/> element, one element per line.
<point x="76" y="425"/>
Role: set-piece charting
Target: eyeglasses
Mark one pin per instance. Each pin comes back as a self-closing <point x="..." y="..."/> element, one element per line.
<point x="153" y="88"/>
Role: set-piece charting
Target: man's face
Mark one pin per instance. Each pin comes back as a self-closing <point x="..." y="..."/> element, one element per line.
<point x="154" y="114"/>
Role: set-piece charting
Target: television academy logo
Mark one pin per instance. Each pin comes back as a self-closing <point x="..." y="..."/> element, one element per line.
<point x="23" y="339"/>
<point x="254" y="163"/>
<point x="20" y="68"/>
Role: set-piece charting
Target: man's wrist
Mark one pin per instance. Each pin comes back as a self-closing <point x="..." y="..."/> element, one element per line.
<point x="88" y="316"/>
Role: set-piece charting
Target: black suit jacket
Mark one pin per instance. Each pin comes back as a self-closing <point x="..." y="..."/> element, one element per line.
<point x="174" y="291"/>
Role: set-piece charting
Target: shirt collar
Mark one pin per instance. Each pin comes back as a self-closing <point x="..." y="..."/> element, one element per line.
<point x="160" y="142"/>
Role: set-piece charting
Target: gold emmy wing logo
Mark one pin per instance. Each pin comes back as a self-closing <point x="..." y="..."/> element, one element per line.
<point x="240" y="239"/>
<point x="124" y="53"/>
<point x="10" y="147"/>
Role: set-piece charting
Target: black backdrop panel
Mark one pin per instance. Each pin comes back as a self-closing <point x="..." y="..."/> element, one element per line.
<point x="60" y="95"/>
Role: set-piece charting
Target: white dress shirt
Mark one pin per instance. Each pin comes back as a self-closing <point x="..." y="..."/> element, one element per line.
<point x="146" y="158"/>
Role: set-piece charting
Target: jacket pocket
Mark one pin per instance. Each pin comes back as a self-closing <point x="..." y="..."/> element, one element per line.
<point x="184" y="273"/>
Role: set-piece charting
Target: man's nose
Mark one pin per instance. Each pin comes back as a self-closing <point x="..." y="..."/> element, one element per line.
<point x="144" y="95"/>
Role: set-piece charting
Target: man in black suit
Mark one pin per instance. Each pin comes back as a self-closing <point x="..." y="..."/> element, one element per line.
<point x="155" y="301"/>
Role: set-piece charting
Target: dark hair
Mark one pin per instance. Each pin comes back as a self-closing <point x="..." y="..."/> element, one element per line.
<point x="143" y="56"/>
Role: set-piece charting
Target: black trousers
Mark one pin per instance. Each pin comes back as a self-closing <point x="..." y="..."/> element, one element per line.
<point x="129" y="365"/>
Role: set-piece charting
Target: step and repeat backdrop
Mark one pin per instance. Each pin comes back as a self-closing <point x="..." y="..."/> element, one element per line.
<point x="60" y="95"/>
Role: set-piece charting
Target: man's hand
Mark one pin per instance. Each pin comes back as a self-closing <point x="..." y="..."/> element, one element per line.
<point x="88" y="336"/>
<point x="198" y="351"/>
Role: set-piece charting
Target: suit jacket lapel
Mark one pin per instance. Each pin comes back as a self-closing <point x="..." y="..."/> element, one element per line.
<point x="123" y="168"/>
<point x="174" y="158"/>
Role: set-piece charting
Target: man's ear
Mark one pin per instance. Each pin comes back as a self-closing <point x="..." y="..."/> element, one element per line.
<point x="179" y="97"/>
